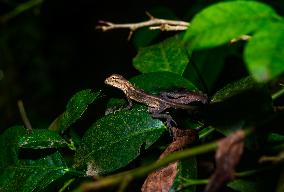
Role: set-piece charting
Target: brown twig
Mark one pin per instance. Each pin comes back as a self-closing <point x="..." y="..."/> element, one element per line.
<point x="240" y="38"/>
<point x="24" y="116"/>
<point x="153" y="24"/>
<point x="278" y="108"/>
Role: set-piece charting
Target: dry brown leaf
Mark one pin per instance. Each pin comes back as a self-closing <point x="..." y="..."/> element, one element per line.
<point x="161" y="180"/>
<point x="227" y="157"/>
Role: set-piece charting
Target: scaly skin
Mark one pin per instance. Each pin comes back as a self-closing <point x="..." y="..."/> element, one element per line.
<point x="156" y="104"/>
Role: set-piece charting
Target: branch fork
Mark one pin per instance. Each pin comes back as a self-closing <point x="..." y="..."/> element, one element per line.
<point x="153" y="24"/>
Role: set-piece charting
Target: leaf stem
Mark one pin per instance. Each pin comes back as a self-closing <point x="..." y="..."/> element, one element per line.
<point x="191" y="182"/>
<point x="278" y="94"/>
<point x="205" y="132"/>
<point x="66" y="184"/>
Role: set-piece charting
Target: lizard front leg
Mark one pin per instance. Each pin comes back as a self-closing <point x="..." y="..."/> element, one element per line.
<point x="130" y="104"/>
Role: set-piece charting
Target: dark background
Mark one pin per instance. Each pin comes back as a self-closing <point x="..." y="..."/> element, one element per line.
<point x="50" y="52"/>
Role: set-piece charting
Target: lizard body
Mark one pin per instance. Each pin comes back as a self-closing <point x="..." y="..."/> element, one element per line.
<point x="185" y="97"/>
<point x="156" y="104"/>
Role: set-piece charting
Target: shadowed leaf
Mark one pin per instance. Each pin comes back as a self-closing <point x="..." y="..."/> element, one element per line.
<point x="25" y="175"/>
<point x="230" y="150"/>
<point x="74" y="110"/>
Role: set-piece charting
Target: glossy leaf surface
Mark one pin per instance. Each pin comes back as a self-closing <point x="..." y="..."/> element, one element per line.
<point x="115" y="140"/>
<point x="26" y="174"/>
<point x="221" y="22"/>
<point x="41" y="139"/>
<point x="169" y="55"/>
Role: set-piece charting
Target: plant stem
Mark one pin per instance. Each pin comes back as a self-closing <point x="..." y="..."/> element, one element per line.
<point x="278" y="94"/>
<point x="191" y="182"/>
<point x="66" y="184"/>
<point x="20" y="9"/>
<point x="252" y="172"/>
<point x="142" y="171"/>
<point x="24" y="116"/>
<point x="207" y="132"/>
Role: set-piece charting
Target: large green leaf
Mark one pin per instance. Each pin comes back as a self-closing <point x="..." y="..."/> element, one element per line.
<point x="74" y="110"/>
<point x="160" y="81"/>
<point x="115" y="140"/>
<point x="169" y="55"/>
<point x="199" y="66"/>
<point x="264" y="53"/>
<point x="18" y="174"/>
<point x="41" y="139"/>
<point x="221" y="22"/>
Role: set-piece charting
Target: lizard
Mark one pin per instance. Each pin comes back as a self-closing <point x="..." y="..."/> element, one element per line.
<point x="156" y="104"/>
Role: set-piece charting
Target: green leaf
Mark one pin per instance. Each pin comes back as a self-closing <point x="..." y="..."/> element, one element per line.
<point x="160" y="81"/>
<point x="202" y="59"/>
<point x="25" y="175"/>
<point x="186" y="169"/>
<point x="221" y="22"/>
<point x="42" y="139"/>
<point x="234" y="88"/>
<point x="275" y="138"/>
<point x="115" y="140"/>
<point x="74" y="110"/>
<point x="264" y="53"/>
<point x="169" y="55"/>
<point x="243" y="185"/>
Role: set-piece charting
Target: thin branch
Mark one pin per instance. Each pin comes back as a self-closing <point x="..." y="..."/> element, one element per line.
<point x="24" y="116"/>
<point x="278" y="108"/>
<point x="240" y="38"/>
<point x="153" y="24"/>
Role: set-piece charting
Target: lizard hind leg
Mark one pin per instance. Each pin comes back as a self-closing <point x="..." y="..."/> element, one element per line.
<point x="169" y="119"/>
<point x="157" y="113"/>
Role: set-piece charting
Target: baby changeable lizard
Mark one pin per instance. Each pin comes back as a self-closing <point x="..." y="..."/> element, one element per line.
<point x="156" y="104"/>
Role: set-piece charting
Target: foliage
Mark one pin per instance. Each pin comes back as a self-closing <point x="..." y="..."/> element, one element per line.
<point x="124" y="138"/>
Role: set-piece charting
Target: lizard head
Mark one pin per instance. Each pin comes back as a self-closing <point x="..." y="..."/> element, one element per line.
<point x="118" y="81"/>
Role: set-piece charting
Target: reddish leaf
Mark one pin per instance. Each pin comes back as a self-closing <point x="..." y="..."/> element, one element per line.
<point x="227" y="157"/>
<point x="162" y="180"/>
